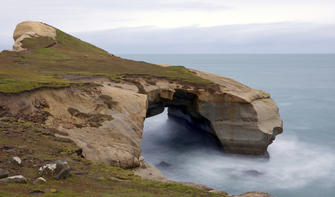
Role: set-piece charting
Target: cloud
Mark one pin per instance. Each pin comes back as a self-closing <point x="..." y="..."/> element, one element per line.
<point x="86" y="15"/>
<point x="182" y="25"/>
<point x="251" y="38"/>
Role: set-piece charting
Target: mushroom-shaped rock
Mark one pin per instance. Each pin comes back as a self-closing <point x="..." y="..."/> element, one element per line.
<point x="40" y="34"/>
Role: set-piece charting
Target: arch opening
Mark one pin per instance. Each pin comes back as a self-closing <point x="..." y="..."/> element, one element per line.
<point x="182" y="108"/>
<point x="176" y="136"/>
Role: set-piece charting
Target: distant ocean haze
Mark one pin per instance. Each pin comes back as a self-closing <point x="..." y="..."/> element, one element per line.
<point x="302" y="159"/>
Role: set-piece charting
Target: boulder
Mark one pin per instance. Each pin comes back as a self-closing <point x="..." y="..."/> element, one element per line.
<point x="33" y="30"/>
<point x="148" y="171"/>
<point x="14" y="179"/>
<point x="38" y="28"/>
<point x="3" y="173"/>
<point x="58" y="170"/>
<point x="39" y="180"/>
<point x="16" y="161"/>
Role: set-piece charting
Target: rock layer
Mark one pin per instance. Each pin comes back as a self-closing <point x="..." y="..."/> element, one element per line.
<point x="106" y="119"/>
<point x="244" y="119"/>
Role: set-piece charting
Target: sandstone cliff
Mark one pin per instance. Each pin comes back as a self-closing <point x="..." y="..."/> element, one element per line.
<point x="106" y="119"/>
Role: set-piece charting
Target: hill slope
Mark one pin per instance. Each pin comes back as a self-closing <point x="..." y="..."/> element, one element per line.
<point x="47" y="60"/>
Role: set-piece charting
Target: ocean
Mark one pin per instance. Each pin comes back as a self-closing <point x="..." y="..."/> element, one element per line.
<point x="302" y="158"/>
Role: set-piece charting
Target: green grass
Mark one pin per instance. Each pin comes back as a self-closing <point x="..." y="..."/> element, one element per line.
<point x="46" y="63"/>
<point x="36" y="146"/>
<point x="14" y="81"/>
<point x="33" y="43"/>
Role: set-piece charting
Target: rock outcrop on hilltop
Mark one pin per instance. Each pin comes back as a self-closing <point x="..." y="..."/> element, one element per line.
<point x="30" y="29"/>
<point x="106" y="120"/>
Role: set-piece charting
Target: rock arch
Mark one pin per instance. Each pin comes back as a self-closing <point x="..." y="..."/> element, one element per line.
<point x="242" y="127"/>
<point x="106" y="121"/>
<point x="105" y="118"/>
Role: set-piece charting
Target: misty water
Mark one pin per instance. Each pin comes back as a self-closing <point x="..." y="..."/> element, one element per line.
<point x="302" y="158"/>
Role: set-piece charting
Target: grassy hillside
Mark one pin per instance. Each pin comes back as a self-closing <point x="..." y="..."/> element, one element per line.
<point x="42" y="66"/>
<point x="37" y="146"/>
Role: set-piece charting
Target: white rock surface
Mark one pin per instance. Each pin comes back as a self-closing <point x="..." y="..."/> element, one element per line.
<point x="39" y="180"/>
<point x="14" y="179"/>
<point x="49" y="167"/>
<point x="58" y="170"/>
<point x="37" y="28"/>
<point x="31" y="29"/>
<point x="17" y="161"/>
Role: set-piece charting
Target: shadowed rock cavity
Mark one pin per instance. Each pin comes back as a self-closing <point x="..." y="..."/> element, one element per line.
<point x="182" y="106"/>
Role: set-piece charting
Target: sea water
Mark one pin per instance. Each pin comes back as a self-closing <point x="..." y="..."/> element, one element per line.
<point x="302" y="158"/>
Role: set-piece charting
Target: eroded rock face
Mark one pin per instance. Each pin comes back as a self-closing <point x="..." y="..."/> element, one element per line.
<point x="244" y="120"/>
<point x="33" y="30"/>
<point x="106" y="121"/>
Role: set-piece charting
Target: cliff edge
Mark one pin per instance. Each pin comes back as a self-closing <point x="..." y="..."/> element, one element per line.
<point x="101" y="100"/>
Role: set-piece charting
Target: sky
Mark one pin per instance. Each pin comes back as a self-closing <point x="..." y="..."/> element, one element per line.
<point x="184" y="26"/>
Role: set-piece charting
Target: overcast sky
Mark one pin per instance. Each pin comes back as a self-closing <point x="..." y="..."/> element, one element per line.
<point x="183" y="26"/>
